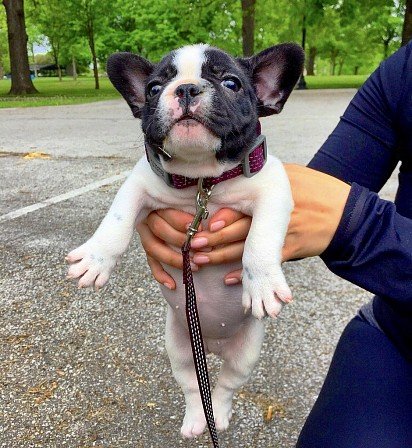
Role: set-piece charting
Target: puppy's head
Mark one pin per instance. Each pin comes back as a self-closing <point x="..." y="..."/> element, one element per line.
<point x="200" y="105"/>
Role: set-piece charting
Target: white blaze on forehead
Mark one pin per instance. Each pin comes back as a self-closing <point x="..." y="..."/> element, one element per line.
<point x="189" y="60"/>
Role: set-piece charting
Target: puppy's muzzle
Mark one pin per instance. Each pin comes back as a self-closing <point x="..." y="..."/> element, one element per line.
<point x="187" y="94"/>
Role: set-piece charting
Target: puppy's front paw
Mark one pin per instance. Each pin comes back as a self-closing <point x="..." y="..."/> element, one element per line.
<point x="193" y="425"/>
<point x="264" y="290"/>
<point x="91" y="265"/>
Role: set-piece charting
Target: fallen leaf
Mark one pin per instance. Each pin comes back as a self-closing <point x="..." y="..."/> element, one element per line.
<point x="36" y="155"/>
<point x="269" y="414"/>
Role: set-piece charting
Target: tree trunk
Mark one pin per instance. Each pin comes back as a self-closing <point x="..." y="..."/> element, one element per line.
<point x="341" y="61"/>
<point x="407" y="23"/>
<point x="21" y="82"/>
<point x="302" y="82"/>
<point x="55" y="50"/>
<point x="333" y="61"/>
<point x="90" y="31"/>
<point x="356" y="70"/>
<point x="248" y="27"/>
<point x="74" y="68"/>
<point x="33" y="58"/>
<point x="310" y="67"/>
<point x="95" y="70"/>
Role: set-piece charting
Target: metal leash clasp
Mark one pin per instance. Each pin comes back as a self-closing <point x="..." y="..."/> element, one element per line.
<point x="202" y="199"/>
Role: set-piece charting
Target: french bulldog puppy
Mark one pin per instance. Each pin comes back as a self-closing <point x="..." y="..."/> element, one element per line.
<point x="199" y="109"/>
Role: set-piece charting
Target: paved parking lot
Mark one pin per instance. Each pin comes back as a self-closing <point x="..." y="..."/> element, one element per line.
<point x="85" y="369"/>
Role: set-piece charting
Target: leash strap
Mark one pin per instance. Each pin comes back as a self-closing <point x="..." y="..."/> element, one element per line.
<point x="192" y="315"/>
<point x="198" y="349"/>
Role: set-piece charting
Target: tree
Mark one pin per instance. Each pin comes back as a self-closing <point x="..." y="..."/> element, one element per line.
<point x="248" y="26"/>
<point x="407" y="23"/>
<point x="4" y="50"/>
<point x="89" y="19"/>
<point x="385" y="20"/>
<point x="21" y="82"/>
<point x="50" y="19"/>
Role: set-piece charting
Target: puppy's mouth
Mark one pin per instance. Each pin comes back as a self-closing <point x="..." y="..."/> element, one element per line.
<point x="189" y="120"/>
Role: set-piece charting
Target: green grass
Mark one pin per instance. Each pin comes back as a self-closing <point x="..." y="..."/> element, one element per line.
<point x="56" y="93"/>
<point x="335" y="82"/>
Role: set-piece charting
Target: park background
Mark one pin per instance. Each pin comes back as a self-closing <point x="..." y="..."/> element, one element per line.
<point x="343" y="39"/>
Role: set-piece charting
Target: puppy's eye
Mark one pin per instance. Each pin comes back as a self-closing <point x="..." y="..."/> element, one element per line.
<point x="231" y="83"/>
<point x="153" y="89"/>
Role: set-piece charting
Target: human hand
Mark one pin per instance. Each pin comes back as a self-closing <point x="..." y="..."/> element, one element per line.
<point x="319" y="203"/>
<point x="169" y="226"/>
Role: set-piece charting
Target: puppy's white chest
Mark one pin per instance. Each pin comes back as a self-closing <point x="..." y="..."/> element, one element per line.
<point x="220" y="306"/>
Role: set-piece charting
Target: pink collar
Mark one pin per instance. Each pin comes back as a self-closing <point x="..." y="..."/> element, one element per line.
<point x="253" y="162"/>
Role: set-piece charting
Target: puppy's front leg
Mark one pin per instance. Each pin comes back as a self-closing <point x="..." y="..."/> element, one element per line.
<point x="264" y="285"/>
<point x="94" y="261"/>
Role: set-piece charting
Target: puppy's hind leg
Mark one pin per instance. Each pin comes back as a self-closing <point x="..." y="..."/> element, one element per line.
<point x="240" y="356"/>
<point x="181" y="360"/>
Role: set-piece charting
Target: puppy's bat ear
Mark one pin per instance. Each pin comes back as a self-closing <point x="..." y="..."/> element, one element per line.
<point x="128" y="72"/>
<point x="274" y="73"/>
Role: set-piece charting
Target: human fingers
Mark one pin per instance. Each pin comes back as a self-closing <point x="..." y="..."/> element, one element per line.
<point x="223" y="217"/>
<point x="176" y="218"/>
<point x="233" y="278"/>
<point x="220" y="255"/>
<point x="231" y="233"/>
<point x="160" y="274"/>
<point x="157" y="249"/>
<point x="165" y="231"/>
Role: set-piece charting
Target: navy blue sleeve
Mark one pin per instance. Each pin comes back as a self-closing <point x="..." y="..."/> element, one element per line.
<point x="363" y="148"/>
<point x="372" y="247"/>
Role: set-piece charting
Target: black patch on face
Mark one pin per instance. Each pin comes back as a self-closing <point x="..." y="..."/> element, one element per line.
<point x="163" y="73"/>
<point x="263" y="84"/>
<point x="233" y="116"/>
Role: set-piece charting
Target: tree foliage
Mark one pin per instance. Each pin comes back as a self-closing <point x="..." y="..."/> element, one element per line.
<point x="341" y="36"/>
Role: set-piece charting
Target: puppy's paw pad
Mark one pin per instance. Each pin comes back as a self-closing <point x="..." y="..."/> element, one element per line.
<point x="193" y="426"/>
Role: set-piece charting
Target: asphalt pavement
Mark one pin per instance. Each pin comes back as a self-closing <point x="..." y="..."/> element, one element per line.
<point x="84" y="369"/>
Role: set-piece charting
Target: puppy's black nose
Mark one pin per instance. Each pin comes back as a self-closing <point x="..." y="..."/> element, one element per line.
<point x="187" y="91"/>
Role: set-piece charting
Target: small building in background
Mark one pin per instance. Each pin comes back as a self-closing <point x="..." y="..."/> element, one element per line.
<point x="46" y="70"/>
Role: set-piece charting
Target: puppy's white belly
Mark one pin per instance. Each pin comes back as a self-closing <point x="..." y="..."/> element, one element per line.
<point x="220" y="306"/>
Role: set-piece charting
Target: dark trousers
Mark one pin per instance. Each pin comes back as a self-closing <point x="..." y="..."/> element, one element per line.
<point x="366" y="400"/>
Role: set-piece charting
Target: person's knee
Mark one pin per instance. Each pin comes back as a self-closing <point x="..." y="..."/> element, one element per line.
<point x="365" y="399"/>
